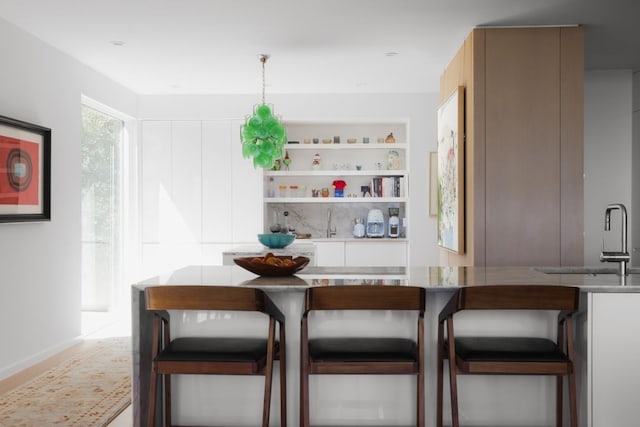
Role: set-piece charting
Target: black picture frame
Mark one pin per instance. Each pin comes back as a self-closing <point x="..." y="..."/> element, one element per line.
<point x="25" y="171"/>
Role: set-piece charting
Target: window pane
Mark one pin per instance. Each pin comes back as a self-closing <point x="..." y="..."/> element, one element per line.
<point x="101" y="207"/>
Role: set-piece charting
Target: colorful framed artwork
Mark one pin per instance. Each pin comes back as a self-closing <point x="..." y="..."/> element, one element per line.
<point x="25" y="171"/>
<point x="451" y="172"/>
<point x="433" y="183"/>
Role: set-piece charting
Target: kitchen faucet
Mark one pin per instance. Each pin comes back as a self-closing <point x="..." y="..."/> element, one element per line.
<point x="621" y="257"/>
<point x="331" y="231"/>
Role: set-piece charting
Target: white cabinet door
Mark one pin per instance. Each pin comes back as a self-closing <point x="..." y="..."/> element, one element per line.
<point x="216" y="182"/>
<point x="329" y="254"/>
<point x="185" y="222"/>
<point x="156" y="184"/>
<point x="171" y="181"/>
<point x="368" y="253"/>
<point x="614" y="344"/>
<point x="246" y="199"/>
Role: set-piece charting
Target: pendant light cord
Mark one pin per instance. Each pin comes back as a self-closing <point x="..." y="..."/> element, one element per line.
<point x="263" y="59"/>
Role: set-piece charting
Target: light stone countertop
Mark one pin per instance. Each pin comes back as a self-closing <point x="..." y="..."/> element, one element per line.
<point x="434" y="279"/>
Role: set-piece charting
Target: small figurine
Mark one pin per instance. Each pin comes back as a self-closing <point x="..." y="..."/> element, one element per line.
<point x="315" y="164"/>
<point x="287" y="160"/>
<point x="338" y="187"/>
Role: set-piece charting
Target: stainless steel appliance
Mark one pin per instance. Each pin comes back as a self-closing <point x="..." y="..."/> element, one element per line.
<point x="375" y="223"/>
<point x="394" y="222"/>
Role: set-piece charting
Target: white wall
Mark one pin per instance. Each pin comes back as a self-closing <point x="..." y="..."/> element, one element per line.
<point x="418" y="109"/>
<point x="607" y="158"/>
<point x="40" y="285"/>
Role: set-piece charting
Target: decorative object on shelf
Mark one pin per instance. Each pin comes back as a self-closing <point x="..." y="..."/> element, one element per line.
<point x="365" y="190"/>
<point x="307" y="141"/>
<point x="390" y="139"/>
<point x="271" y="192"/>
<point x="325" y="192"/>
<point x="338" y="187"/>
<point x="285" y="225"/>
<point x="315" y="163"/>
<point x="283" y="190"/>
<point x="315" y="192"/>
<point x="351" y="141"/>
<point x="316" y="140"/>
<point x="365" y="140"/>
<point x="263" y="136"/>
<point x="275" y="226"/>
<point x="286" y="160"/>
<point x="336" y="140"/>
<point x="380" y="140"/>
<point x="393" y="160"/>
<point x="327" y="141"/>
<point x="276" y="165"/>
<point x="276" y="240"/>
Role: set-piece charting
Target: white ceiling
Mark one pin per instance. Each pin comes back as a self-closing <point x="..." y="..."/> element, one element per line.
<point x="330" y="46"/>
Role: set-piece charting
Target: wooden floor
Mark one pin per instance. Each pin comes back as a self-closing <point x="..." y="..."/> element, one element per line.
<point x="95" y="325"/>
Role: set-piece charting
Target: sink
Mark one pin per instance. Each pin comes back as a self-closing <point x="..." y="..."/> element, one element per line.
<point x="584" y="270"/>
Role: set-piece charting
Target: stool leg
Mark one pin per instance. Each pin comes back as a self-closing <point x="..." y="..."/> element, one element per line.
<point x="167" y="400"/>
<point x="439" y="399"/>
<point x="452" y="376"/>
<point x="153" y="384"/>
<point x="559" y="399"/>
<point x="283" y="379"/>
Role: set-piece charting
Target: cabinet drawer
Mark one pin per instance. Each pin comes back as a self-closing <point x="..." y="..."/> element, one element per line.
<point x="376" y="254"/>
<point x="329" y="254"/>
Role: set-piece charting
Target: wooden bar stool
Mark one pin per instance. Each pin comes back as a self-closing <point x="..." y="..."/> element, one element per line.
<point x="362" y="355"/>
<point x="491" y="355"/>
<point x="214" y="355"/>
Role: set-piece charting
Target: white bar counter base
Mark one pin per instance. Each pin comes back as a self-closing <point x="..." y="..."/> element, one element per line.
<point x="607" y="352"/>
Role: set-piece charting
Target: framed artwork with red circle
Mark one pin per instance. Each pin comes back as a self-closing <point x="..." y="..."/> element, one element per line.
<point x="25" y="171"/>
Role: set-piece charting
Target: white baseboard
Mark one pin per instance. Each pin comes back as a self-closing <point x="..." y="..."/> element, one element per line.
<point x="13" y="369"/>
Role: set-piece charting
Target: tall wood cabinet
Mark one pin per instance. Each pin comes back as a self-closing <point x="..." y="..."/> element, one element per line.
<point x="524" y="145"/>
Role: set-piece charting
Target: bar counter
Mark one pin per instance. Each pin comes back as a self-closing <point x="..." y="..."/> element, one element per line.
<point x="389" y="401"/>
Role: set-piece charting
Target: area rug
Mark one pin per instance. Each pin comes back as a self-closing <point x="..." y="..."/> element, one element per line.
<point x="88" y="389"/>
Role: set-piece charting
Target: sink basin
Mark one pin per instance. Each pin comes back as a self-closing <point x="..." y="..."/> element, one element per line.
<point x="584" y="270"/>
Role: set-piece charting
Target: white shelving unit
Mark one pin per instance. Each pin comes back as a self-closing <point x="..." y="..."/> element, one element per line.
<point x="356" y="163"/>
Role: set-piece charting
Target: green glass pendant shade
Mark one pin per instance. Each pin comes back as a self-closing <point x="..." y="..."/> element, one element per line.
<point x="263" y="137"/>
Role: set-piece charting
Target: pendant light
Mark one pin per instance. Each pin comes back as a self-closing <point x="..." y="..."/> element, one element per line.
<point x="262" y="135"/>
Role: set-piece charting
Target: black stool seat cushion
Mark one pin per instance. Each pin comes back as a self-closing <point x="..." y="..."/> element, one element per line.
<point x="215" y="349"/>
<point x="512" y="349"/>
<point x="362" y="349"/>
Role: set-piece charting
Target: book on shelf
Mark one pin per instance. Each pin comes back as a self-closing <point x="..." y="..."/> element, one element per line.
<point x="387" y="186"/>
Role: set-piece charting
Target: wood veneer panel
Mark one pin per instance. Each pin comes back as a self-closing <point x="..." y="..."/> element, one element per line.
<point x="476" y="171"/>
<point x="572" y="151"/>
<point x="522" y="102"/>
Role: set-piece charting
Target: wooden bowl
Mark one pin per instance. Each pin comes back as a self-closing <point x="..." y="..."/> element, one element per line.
<point x="269" y="270"/>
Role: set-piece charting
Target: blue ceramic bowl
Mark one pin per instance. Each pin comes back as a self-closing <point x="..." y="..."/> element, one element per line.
<point x="276" y="240"/>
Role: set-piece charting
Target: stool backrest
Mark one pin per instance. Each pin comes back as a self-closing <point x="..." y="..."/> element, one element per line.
<point x="198" y="297"/>
<point x="515" y="297"/>
<point x="365" y="297"/>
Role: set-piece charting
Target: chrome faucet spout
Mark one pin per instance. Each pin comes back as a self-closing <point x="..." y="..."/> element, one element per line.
<point x="621" y="257"/>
